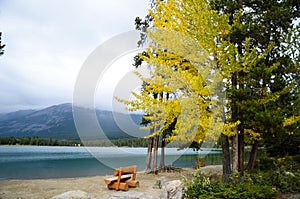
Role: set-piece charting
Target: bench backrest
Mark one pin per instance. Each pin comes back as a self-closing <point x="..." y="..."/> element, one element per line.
<point x="126" y="170"/>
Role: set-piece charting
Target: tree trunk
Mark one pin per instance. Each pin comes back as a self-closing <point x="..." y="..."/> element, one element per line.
<point x="156" y="141"/>
<point x="163" y="143"/>
<point x="253" y="155"/>
<point x="235" y="150"/>
<point x="234" y="117"/>
<point x="154" y="160"/>
<point x="162" y="157"/>
<point x="225" y="158"/>
<point x="241" y="152"/>
<point x="149" y="152"/>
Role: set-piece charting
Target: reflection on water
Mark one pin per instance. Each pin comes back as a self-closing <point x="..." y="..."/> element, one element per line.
<point x="42" y="162"/>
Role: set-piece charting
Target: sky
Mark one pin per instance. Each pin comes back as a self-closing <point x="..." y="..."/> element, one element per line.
<point x="48" y="41"/>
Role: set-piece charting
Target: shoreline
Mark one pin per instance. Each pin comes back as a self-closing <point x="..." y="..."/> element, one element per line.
<point x="95" y="186"/>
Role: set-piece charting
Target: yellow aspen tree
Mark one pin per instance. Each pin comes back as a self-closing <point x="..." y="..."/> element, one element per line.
<point x="192" y="60"/>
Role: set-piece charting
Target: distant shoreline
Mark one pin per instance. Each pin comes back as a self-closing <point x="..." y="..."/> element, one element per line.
<point x="118" y="142"/>
<point x="36" y="141"/>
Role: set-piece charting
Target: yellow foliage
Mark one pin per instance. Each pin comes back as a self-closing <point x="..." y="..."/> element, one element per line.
<point x="188" y="50"/>
<point x="291" y="120"/>
<point x="228" y="128"/>
<point x="254" y="135"/>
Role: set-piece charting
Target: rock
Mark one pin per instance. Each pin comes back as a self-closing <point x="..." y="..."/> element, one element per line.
<point x="131" y="195"/>
<point x="76" y="194"/>
<point x="171" y="190"/>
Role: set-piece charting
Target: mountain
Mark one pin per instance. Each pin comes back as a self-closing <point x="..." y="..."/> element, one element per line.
<point x="57" y="122"/>
<point x="16" y="114"/>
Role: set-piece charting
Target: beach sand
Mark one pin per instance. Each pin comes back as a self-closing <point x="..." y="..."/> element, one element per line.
<point x="95" y="186"/>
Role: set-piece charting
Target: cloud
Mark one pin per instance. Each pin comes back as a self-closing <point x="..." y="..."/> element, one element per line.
<point x="47" y="42"/>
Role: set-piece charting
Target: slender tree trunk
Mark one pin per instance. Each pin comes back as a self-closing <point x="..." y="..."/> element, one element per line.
<point x="241" y="137"/>
<point x="156" y="141"/>
<point x="241" y="152"/>
<point x="235" y="150"/>
<point x="234" y="116"/>
<point x="149" y="152"/>
<point x="253" y="155"/>
<point x="225" y="158"/>
<point x="162" y="157"/>
<point x="154" y="159"/>
<point x="163" y="143"/>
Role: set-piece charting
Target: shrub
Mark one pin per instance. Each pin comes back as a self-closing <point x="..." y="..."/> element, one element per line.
<point x="201" y="186"/>
<point x="283" y="173"/>
<point x="286" y="182"/>
<point x="288" y="163"/>
<point x="274" y="175"/>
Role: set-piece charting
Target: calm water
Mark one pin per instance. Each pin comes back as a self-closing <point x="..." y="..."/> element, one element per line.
<point x="42" y="162"/>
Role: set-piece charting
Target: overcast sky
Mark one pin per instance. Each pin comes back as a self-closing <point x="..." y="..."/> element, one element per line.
<point x="48" y="41"/>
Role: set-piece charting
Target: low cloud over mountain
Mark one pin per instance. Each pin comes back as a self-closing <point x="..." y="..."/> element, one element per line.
<point x="58" y="122"/>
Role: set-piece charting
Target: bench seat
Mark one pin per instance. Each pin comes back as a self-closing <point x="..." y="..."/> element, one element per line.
<point x="111" y="180"/>
<point x="124" y="178"/>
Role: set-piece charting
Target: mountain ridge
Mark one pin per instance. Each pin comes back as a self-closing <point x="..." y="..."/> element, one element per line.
<point x="57" y="122"/>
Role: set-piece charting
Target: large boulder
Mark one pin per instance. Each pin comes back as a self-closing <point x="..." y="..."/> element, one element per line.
<point x="172" y="190"/>
<point x="76" y="194"/>
<point x="131" y="195"/>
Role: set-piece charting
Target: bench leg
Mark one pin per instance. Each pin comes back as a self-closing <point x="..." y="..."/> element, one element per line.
<point x="122" y="186"/>
<point x="132" y="183"/>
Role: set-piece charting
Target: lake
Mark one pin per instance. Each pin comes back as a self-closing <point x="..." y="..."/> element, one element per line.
<point x="44" y="162"/>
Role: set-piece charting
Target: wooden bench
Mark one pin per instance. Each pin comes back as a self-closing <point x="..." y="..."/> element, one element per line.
<point x="124" y="178"/>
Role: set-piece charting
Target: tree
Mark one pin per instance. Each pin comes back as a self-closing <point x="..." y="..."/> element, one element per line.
<point x="183" y="60"/>
<point x="194" y="43"/>
<point x="289" y="104"/>
<point x="268" y="81"/>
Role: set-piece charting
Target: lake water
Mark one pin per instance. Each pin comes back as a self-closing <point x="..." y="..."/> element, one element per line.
<point x="42" y="162"/>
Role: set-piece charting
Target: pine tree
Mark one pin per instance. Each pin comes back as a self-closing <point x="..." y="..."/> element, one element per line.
<point x="261" y="95"/>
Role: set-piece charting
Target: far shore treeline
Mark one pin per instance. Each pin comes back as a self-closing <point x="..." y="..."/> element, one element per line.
<point x="36" y="141"/>
<point x="124" y="142"/>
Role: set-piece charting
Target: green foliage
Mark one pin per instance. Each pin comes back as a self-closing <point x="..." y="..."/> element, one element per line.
<point x="283" y="173"/>
<point x="265" y="163"/>
<point x="275" y="175"/>
<point x="287" y="163"/>
<point x="201" y="186"/>
<point x="286" y="182"/>
<point x="283" y="164"/>
<point x="286" y="144"/>
<point x="265" y="97"/>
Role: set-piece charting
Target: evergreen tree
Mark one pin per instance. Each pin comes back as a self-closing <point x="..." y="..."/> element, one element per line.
<point x="261" y="96"/>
